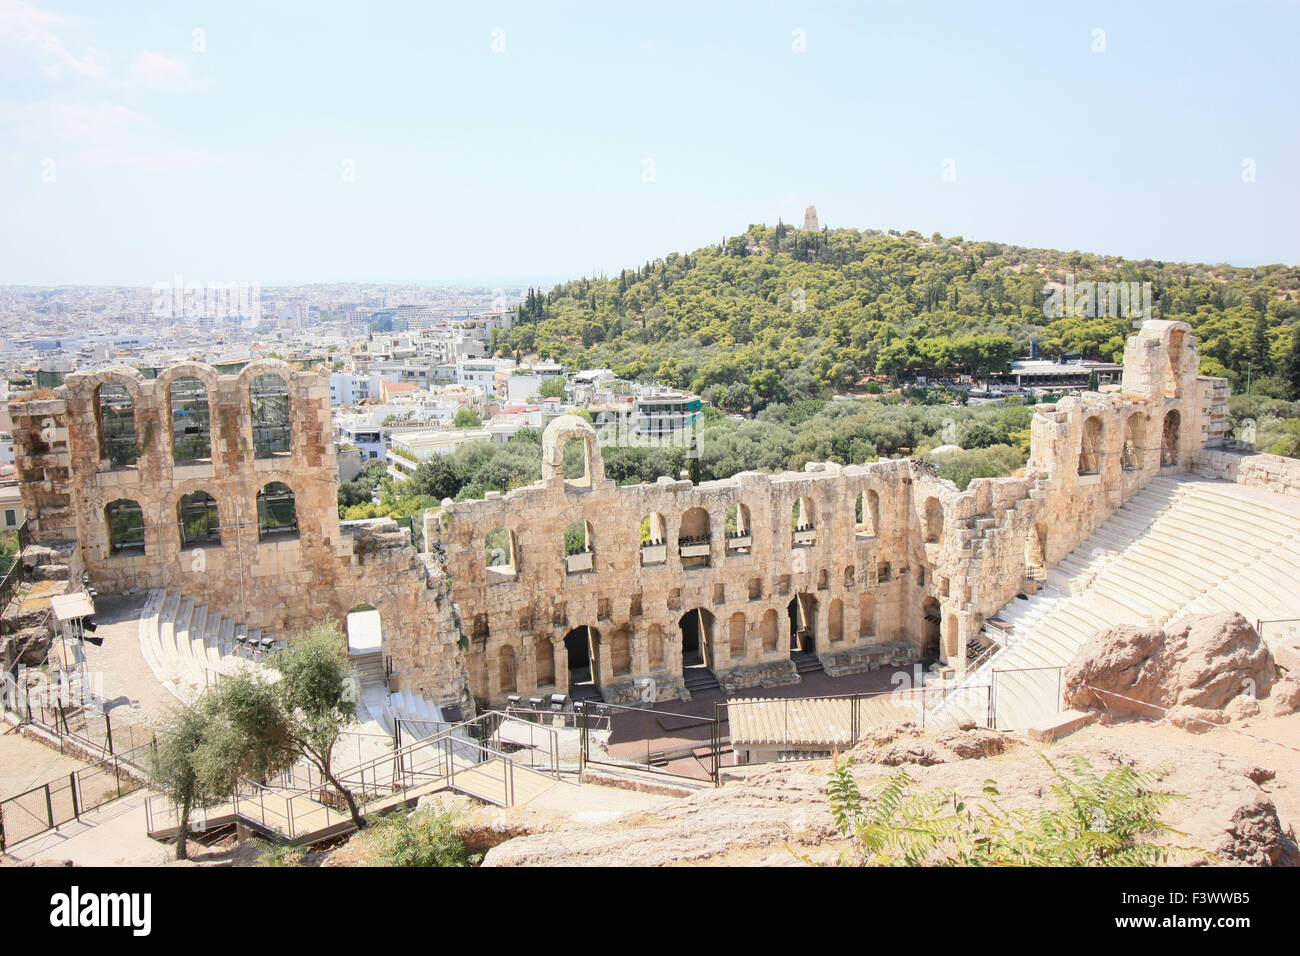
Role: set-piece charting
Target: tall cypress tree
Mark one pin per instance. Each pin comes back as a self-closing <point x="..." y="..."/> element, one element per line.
<point x="1261" y="352"/>
<point x="1292" y="370"/>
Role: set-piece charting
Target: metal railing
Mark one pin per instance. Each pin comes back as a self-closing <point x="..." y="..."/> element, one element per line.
<point x="596" y="722"/>
<point x="66" y="798"/>
<point x="299" y="807"/>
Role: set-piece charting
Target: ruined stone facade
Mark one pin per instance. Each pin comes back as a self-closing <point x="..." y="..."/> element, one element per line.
<point x="860" y="565"/>
<point x="108" y="474"/>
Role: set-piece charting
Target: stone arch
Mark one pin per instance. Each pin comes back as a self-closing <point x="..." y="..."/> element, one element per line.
<point x="124" y="520"/>
<point x="277" y="511"/>
<point x="802" y="612"/>
<point x="115" y="401"/>
<point x="581" y="646"/>
<point x="199" y="519"/>
<point x="697" y="638"/>
<point x="694" y="538"/>
<point x="363" y="627"/>
<point x="930" y="621"/>
<point x="191" y="404"/>
<point x="738" y="528"/>
<point x="654" y="644"/>
<point x="544" y="655"/>
<point x="579" y="547"/>
<point x="554" y="439"/>
<point x="1036" y="552"/>
<point x="835" y="621"/>
<point x="653" y="530"/>
<point x="507" y="672"/>
<point x="1134" y="441"/>
<point x="933" y="521"/>
<point x="850" y="573"/>
<point x="736" y="636"/>
<point x="1169" y="438"/>
<point x="866" y="514"/>
<point x="1090" y="445"/>
<point x="867" y="615"/>
<point x="769" y="630"/>
<point x="620" y="652"/>
<point x="269" y="414"/>
<point x="803" y="521"/>
<point x="500" y="555"/>
<point x="1177" y="342"/>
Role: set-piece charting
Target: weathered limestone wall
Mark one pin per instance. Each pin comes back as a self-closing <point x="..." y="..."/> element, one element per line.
<point x="919" y="579"/>
<point x="283" y="583"/>
<point x="915" y="577"/>
<point x="1271" y="472"/>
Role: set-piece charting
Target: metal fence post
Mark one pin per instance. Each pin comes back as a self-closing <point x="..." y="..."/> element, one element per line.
<point x="72" y="784"/>
<point x="108" y="732"/>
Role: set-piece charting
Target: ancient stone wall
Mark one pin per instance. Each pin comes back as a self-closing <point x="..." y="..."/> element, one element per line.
<point x="282" y="581"/>
<point x="912" y="573"/>
<point x="859" y="565"/>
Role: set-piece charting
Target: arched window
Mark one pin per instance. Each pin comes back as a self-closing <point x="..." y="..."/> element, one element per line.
<point x="867" y="615"/>
<point x="866" y="514"/>
<point x="769" y="631"/>
<point x="803" y="521"/>
<point x="545" y="655"/>
<point x="500" y="556"/>
<point x="125" y="527"/>
<point x="276" y="511"/>
<point x="693" y="538"/>
<point x="620" y="652"/>
<point x="1134" y="438"/>
<point x="835" y="621"/>
<point x="1090" y="447"/>
<point x="191" y="420"/>
<point x="116" y="414"/>
<point x="1169" y="439"/>
<point x="653" y="548"/>
<point x="736" y="636"/>
<point x="579" y="549"/>
<point x="268" y="399"/>
<point x="655" y="646"/>
<point x="739" y="531"/>
<point x="933" y="520"/>
<point x="197" y="513"/>
<point x="506" y="670"/>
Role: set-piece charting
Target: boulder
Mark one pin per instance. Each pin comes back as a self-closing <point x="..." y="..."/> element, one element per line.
<point x="1285" y="698"/>
<point x="1201" y="662"/>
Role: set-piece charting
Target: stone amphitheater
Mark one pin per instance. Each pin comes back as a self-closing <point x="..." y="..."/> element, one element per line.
<point x="1134" y="507"/>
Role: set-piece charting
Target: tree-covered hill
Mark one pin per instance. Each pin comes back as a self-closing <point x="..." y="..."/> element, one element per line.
<point x="781" y="315"/>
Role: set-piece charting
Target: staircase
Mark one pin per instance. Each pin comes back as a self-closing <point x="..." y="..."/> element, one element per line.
<point x="700" y="680"/>
<point x="1182" y="545"/>
<point x="806" y="663"/>
<point x="188" y="647"/>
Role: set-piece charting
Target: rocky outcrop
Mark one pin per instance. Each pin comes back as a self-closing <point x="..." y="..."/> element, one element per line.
<point x="1202" y="662"/>
<point x="779" y="813"/>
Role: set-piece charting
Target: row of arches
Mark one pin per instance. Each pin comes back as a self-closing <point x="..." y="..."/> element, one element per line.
<point x="695" y="535"/>
<point x="704" y="642"/>
<point x="188" y="417"/>
<point x="198" y="519"/>
<point x="1092" y="442"/>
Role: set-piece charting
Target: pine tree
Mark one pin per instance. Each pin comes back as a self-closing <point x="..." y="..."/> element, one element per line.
<point x="1261" y="350"/>
<point x="1292" y="370"/>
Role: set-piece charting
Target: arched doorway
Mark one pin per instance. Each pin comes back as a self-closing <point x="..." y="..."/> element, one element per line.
<point x="697" y="639"/>
<point x="1169" y="442"/>
<point x="1036" y="552"/>
<point x="930" y="621"/>
<point x="364" y="629"/>
<point x="802" y="612"/>
<point x="582" y="647"/>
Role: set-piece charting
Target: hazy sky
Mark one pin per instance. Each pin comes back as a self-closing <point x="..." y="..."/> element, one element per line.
<point x="539" y="141"/>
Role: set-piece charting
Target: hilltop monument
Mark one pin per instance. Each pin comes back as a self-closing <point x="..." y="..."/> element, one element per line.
<point x="810" y="219"/>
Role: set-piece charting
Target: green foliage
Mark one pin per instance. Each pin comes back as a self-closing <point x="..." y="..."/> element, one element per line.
<point x="1110" y="819"/>
<point x="189" y="765"/>
<point x="425" y="838"/>
<point x="778" y="315"/>
<point x="265" y="727"/>
<point x="466" y="418"/>
<point x="962" y="467"/>
<point x="551" y="388"/>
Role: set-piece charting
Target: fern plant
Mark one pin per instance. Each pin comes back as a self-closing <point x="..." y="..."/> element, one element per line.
<point x="1096" y="820"/>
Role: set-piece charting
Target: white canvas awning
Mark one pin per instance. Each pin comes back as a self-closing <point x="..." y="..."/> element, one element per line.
<point x="71" y="607"/>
